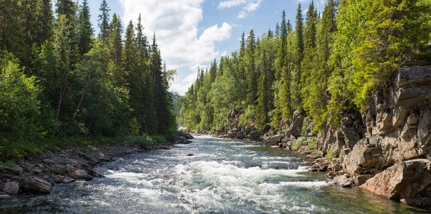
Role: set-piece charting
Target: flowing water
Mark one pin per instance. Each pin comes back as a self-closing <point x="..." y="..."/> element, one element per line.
<point x="208" y="176"/>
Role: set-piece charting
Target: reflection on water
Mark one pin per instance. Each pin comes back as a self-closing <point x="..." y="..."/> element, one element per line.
<point x="222" y="176"/>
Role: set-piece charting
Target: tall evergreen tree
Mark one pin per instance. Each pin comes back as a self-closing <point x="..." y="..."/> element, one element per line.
<point x="104" y="21"/>
<point x="85" y="30"/>
<point x="45" y="20"/>
<point x="316" y="103"/>
<point x="299" y="54"/>
<point x="309" y="62"/>
<point x="252" y="74"/>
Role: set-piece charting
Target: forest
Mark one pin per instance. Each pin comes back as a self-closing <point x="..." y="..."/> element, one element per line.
<point x="60" y="81"/>
<point x="324" y="64"/>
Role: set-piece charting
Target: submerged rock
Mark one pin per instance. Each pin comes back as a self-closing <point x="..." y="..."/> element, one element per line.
<point x="36" y="185"/>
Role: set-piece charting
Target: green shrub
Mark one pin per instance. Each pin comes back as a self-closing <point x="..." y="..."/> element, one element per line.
<point x="296" y="145"/>
<point x="311" y="143"/>
<point x="330" y="154"/>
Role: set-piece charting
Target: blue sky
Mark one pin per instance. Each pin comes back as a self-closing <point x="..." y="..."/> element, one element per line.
<point x="192" y="33"/>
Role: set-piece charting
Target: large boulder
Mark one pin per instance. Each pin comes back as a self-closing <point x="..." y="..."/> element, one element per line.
<point x="365" y="158"/>
<point x="36" y="185"/>
<point x="408" y="179"/>
<point x="273" y="140"/>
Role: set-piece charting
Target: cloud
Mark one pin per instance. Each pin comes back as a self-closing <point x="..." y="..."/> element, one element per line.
<point x="250" y="6"/>
<point x="231" y="3"/>
<point x="175" y="24"/>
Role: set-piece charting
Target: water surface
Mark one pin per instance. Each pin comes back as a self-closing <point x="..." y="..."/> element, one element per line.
<point x="208" y="176"/>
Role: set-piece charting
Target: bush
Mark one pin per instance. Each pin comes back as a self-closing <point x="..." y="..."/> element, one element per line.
<point x="330" y="154"/>
<point x="296" y="145"/>
<point x="311" y="143"/>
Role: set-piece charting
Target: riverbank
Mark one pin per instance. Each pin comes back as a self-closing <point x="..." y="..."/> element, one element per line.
<point x="38" y="174"/>
<point x="385" y="148"/>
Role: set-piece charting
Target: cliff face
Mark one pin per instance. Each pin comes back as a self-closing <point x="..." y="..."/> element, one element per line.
<point x="397" y="137"/>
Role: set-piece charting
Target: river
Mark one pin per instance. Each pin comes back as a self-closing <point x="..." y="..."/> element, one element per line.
<point x="208" y="176"/>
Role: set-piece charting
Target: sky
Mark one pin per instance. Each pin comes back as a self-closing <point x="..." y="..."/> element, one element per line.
<point x="192" y="33"/>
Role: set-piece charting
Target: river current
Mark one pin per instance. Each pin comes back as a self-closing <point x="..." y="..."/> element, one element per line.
<point x="208" y="176"/>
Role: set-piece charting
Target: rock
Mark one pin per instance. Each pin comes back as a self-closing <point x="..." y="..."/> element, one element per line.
<point x="319" y="165"/>
<point x="190" y="155"/>
<point x="343" y="180"/>
<point x="314" y="156"/>
<point x="36" y="185"/>
<point x="80" y="174"/>
<point x="417" y="202"/>
<point x="408" y="179"/>
<point x="95" y="173"/>
<point x="365" y="158"/>
<point x="232" y="134"/>
<point x="240" y="135"/>
<point x="273" y="140"/>
<point x="182" y="140"/>
<point x="188" y="136"/>
<point x="254" y="135"/>
<point x="14" y="170"/>
<point x="11" y="187"/>
<point x="4" y="196"/>
<point x="67" y="180"/>
<point x="361" y="179"/>
<point x="295" y="126"/>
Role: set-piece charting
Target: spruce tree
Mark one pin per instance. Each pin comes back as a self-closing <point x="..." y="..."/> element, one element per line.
<point x="85" y="30"/>
<point x="251" y="69"/>
<point x="104" y="21"/>
<point x="299" y="55"/>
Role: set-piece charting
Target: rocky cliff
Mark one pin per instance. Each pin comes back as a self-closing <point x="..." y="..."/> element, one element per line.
<point x="385" y="148"/>
<point x="393" y="158"/>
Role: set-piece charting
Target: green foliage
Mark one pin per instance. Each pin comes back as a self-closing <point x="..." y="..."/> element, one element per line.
<point x="74" y="85"/>
<point x="311" y="143"/>
<point x="326" y="65"/>
<point x="330" y="154"/>
<point x="19" y="104"/>
<point x="296" y="145"/>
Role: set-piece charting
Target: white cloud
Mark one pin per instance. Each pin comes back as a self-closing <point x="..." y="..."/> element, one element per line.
<point x="175" y="24"/>
<point x="242" y="14"/>
<point x="231" y="3"/>
<point x="250" y="6"/>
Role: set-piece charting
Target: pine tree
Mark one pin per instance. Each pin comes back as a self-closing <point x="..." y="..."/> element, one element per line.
<point x="316" y="104"/>
<point x="104" y="21"/>
<point x="251" y="69"/>
<point x="66" y="7"/>
<point x="11" y="33"/>
<point x="44" y="21"/>
<point x="396" y="32"/>
<point x="85" y="30"/>
<point x="299" y="55"/>
<point x="116" y="49"/>
<point x="309" y="62"/>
